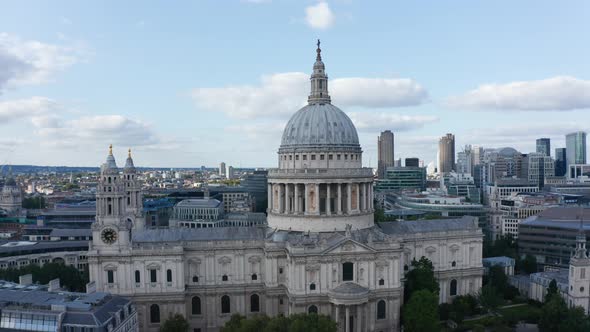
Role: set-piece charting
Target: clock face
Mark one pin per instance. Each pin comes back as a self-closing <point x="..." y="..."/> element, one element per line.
<point x="108" y="235"/>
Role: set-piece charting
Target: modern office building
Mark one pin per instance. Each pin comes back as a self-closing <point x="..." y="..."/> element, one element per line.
<point x="518" y="207"/>
<point x="31" y="307"/>
<point x="412" y="162"/>
<point x="536" y="167"/>
<point x="465" y="161"/>
<point x="222" y="169"/>
<point x="255" y="184"/>
<point x="196" y="213"/>
<point x="385" y="152"/>
<point x="321" y="252"/>
<point x="560" y="161"/>
<point x="551" y="235"/>
<point x="575" y="148"/>
<point x="403" y="178"/>
<point x="544" y="146"/>
<point x="230" y="173"/>
<point x="446" y="153"/>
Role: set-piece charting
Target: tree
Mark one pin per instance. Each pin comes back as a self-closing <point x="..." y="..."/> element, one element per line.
<point x="551" y="290"/>
<point x="176" y="323"/>
<point x="529" y="264"/>
<point x="421" y="276"/>
<point x="504" y="246"/>
<point x="36" y="202"/>
<point x="553" y="313"/>
<point x="575" y="321"/>
<point x="489" y="298"/>
<point x="421" y="312"/>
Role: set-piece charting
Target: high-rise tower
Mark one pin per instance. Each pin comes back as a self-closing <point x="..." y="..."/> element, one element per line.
<point x="446" y="153"/>
<point x="385" y="152"/>
<point x="544" y="146"/>
<point x="575" y="148"/>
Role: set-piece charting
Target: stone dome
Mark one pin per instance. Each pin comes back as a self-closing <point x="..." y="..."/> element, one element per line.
<point x="319" y="125"/>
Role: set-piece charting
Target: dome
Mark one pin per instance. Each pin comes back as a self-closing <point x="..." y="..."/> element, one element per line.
<point x="507" y="152"/>
<point x="319" y="125"/>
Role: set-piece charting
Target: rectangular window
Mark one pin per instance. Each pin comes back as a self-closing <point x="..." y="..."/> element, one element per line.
<point x="110" y="277"/>
<point x="304" y="157"/>
<point x="153" y="276"/>
<point x="321" y="157"/>
<point x="337" y="157"/>
<point x="313" y="157"/>
<point x="583" y="273"/>
<point x="296" y="157"/>
<point x="330" y="157"/>
<point x="168" y="275"/>
<point x="290" y="157"/>
<point x="345" y="157"/>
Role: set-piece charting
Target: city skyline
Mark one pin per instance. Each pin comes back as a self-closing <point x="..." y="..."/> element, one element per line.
<point x="160" y="80"/>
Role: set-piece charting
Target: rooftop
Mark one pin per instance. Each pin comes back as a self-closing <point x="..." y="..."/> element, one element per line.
<point x="199" y="203"/>
<point x="433" y="225"/>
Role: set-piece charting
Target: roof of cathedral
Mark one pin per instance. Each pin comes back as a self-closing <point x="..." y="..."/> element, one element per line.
<point x="110" y="163"/>
<point x="200" y="234"/>
<point x="129" y="162"/>
<point x="428" y="226"/>
<point x="319" y="123"/>
<point x="350" y="288"/>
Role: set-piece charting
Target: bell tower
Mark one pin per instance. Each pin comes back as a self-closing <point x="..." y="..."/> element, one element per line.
<point x="111" y="231"/>
<point x="579" y="272"/>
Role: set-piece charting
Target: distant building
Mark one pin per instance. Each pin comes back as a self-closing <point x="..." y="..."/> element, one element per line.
<point x="578" y="173"/>
<point x="157" y="212"/>
<point x="575" y="145"/>
<point x="518" y="207"/>
<point x="412" y="162"/>
<point x="551" y="235"/>
<point x="465" y="160"/>
<point x="385" y="155"/>
<point x="230" y="173"/>
<point x="560" y="161"/>
<point x="32" y="307"/>
<point x="69" y="215"/>
<point x="403" y="178"/>
<point x="255" y="184"/>
<point x="506" y="263"/>
<point x="222" y="170"/>
<point x="11" y="198"/>
<point x="446" y="153"/>
<point x="196" y="213"/>
<point x="538" y="167"/>
<point x="544" y="146"/>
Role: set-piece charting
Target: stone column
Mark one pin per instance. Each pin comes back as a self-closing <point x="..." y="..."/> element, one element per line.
<point x="339" y="197"/>
<point x="358" y="196"/>
<point x="364" y="201"/>
<point x="304" y="198"/>
<point x="328" y="205"/>
<point x="337" y="317"/>
<point x="296" y="199"/>
<point x="346" y="319"/>
<point x="269" y="197"/>
<point x="348" y="197"/>
<point x="358" y="318"/>
<point x="287" y="208"/>
<point x="280" y="198"/>
<point x="368" y="318"/>
<point x="317" y="198"/>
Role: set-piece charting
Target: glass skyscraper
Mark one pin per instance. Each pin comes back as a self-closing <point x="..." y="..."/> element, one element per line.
<point x="560" y="161"/>
<point x="575" y="145"/>
<point x="544" y="146"/>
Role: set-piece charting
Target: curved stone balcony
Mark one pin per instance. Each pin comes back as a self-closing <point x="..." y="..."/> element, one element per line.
<point x="349" y="293"/>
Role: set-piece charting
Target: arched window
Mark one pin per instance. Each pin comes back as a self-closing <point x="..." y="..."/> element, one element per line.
<point x="312" y="309"/>
<point x="195" y="279"/>
<point x="168" y="275"/>
<point x="224" y="277"/>
<point x="154" y="313"/>
<point x="381" y="309"/>
<point x="312" y="286"/>
<point x="453" y="264"/>
<point x="254" y="303"/>
<point x="406" y="267"/>
<point x="225" y="305"/>
<point x="137" y="277"/>
<point x="453" y="287"/>
<point x="347" y="271"/>
<point x="196" y="305"/>
<point x="254" y="276"/>
<point x="381" y="282"/>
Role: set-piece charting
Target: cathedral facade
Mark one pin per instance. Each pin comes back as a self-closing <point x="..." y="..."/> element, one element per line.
<point x="320" y="252"/>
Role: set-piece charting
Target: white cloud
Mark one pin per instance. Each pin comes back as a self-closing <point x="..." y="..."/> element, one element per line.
<point x="280" y="95"/>
<point x="377" y="92"/>
<point x="561" y="93"/>
<point x="24" y="62"/>
<point x="376" y="121"/>
<point x="29" y="108"/>
<point x="319" y="16"/>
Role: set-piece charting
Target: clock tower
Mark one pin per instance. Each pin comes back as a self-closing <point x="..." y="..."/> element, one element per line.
<point x="118" y="206"/>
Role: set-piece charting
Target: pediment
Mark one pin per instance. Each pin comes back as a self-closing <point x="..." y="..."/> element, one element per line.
<point x="349" y="247"/>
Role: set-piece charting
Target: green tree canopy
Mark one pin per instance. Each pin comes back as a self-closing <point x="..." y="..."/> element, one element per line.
<point x="529" y="264"/>
<point x="575" y="321"/>
<point x="553" y="313"/>
<point x="421" y="312"/>
<point x="176" y="323"/>
<point x="421" y="276"/>
<point x="551" y="290"/>
<point x="490" y="298"/>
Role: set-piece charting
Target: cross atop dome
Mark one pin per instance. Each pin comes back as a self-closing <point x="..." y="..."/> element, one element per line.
<point x="319" y="81"/>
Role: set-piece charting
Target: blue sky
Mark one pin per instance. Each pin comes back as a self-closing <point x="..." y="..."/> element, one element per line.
<point x="194" y="83"/>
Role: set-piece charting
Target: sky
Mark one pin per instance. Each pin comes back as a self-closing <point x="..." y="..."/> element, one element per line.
<point x="191" y="83"/>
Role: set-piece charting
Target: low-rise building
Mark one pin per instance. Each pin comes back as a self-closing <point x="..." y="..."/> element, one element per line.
<point x="403" y="178"/>
<point x="518" y="207"/>
<point x="31" y="307"/>
<point x="507" y="264"/>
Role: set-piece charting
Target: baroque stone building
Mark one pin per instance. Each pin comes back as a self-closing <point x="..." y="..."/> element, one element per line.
<point x="11" y="198"/>
<point x="320" y="251"/>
